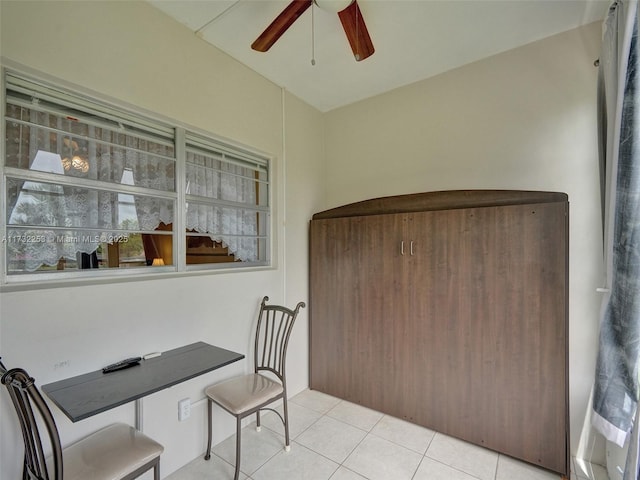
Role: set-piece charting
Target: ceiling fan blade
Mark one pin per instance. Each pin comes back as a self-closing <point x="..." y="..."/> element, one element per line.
<point x="356" y="31"/>
<point x="280" y="25"/>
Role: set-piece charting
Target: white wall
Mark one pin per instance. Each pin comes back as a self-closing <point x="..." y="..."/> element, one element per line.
<point x="524" y="119"/>
<point x="134" y="55"/>
<point x="305" y="174"/>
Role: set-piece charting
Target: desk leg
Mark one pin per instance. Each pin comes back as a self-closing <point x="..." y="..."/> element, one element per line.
<point x="139" y="414"/>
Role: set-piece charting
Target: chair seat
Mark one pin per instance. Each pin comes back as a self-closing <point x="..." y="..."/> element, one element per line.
<point x="109" y="454"/>
<point x="243" y="394"/>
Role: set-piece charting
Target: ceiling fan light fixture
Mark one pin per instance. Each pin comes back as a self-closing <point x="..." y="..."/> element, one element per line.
<point x="333" y="6"/>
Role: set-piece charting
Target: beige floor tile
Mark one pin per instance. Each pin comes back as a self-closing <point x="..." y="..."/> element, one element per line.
<point x="300" y="418"/>
<point x="471" y="459"/>
<point x="299" y="463"/>
<point x="337" y="440"/>
<point x="403" y="433"/>
<point x="379" y="459"/>
<point x="356" y="415"/>
<point x="332" y="438"/>
<point x="509" y="468"/>
<point x="345" y="474"/>
<point x="430" y="469"/>
<point x="256" y="449"/>
<point x="316" y="401"/>
<point x="199" y="468"/>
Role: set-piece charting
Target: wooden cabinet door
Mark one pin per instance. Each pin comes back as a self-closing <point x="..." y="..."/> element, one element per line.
<point x="481" y="354"/>
<point x="416" y="346"/>
<point x="350" y="284"/>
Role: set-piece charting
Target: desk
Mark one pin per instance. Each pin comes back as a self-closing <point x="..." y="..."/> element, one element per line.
<point x="96" y="392"/>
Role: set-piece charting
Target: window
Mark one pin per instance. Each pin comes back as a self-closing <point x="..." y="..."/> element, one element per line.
<point x="227" y="200"/>
<point x="92" y="190"/>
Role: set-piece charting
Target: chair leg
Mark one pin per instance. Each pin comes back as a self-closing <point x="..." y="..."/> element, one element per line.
<point x="156" y="470"/>
<point x="238" y="442"/>
<point x="286" y="423"/>
<point x="207" y="454"/>
<point x="258" y="427"/>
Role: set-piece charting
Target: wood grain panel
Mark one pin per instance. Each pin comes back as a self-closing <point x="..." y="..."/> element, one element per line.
<point x="444" y="200"/>
<point x="346" y="339"/>
<point x="466" y="333"/>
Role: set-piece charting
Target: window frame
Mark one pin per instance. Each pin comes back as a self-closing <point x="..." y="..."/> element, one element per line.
<point x="181" y="134"/>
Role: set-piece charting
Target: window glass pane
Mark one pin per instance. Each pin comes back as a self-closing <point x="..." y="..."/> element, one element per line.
<point x="53" y="143"/>
<point x="227" y="208"/>
<point x="48" y="251"/>
<point x="52" y="222"/>
<point x="240" y="230"/>
<point x="215" y="177"/>
<point x="49" y="204"/>
<point x="202" y="249"/>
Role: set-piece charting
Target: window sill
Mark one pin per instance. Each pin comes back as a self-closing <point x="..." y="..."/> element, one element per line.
<point x="17" y="286"/>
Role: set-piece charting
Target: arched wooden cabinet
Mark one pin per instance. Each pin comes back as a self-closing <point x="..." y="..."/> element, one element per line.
<point x="449" y="309"/>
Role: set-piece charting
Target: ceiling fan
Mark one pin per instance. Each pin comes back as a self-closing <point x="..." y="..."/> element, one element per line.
<point x="350" y="17"/>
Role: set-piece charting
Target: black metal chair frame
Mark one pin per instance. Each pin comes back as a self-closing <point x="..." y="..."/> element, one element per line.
<point x="24" y="395"/>
<point x="273" y="330"/>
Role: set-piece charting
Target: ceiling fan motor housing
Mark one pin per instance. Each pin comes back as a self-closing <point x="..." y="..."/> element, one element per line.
<point x="334" y="6"/>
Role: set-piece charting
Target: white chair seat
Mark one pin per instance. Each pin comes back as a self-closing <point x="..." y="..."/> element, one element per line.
<point x="109" y="454"/>
<point x="242" y="394"/>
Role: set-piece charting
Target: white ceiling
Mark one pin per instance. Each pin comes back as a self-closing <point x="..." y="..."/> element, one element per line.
<point x="413" y="39"/>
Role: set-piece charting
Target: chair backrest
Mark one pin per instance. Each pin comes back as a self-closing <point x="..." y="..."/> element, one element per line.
<point x="33" y="411"/>
<point x="275" y="323"/>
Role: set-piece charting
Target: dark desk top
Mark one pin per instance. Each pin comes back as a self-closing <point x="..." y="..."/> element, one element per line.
<point x="92" y="393"/>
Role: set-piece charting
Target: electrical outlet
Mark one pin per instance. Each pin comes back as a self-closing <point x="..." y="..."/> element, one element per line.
<point x="184" y="409"/>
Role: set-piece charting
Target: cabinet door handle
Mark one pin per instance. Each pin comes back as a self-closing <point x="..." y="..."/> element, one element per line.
<point x="402" y="247"/>
<point x="411" y="248"/>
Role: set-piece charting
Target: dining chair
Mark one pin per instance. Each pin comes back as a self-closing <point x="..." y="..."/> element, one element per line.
<point x="116" y="452"/>
<point x="248" y="394"/>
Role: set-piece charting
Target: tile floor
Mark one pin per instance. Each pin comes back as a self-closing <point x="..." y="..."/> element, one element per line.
<point x="337" y="440"/>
